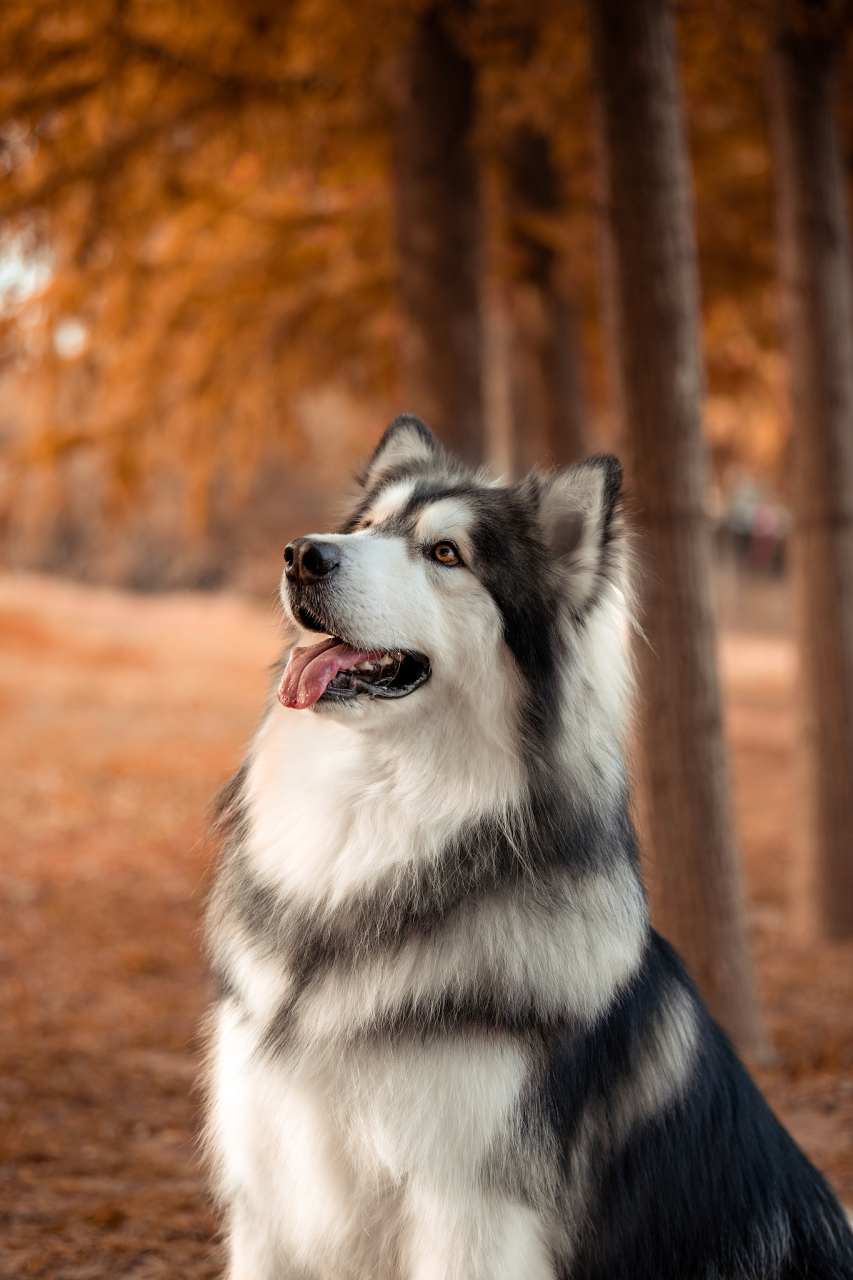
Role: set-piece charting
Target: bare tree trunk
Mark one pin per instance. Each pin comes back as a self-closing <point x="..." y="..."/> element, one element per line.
<point x="547" y="401"/>
<point x="696" y="892"/>
<point x="437" y="205"/>
<point x="817" y="291"/>
<point x="497" y="389"/>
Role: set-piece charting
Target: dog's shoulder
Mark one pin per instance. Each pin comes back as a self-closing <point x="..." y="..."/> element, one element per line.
<point x="687" y="1165"/>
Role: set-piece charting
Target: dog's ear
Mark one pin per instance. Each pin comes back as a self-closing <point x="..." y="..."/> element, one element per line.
<point x="406" y="445"/>
<point x="577" y="509"/>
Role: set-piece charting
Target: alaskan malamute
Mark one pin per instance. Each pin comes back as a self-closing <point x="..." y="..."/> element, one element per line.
<point x="447" y="1044"/>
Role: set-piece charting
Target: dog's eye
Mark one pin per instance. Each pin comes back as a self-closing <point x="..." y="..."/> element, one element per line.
<point x="445" y="553"/>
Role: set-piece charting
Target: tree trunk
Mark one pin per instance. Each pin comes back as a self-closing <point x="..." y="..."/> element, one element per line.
<point x="547" y="402"/>
<point x="817" y="293"/>
<point x="652" y="274"/>
<point x="437" y="208"/>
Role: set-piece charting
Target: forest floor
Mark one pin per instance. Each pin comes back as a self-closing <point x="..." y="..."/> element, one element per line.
<point x="122" y="716"/>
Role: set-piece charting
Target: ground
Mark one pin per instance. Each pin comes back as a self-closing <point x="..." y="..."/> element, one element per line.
<point x="123" y="715"/>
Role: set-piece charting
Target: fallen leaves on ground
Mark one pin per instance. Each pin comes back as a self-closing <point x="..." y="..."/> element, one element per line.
<point x="123" y="714"/>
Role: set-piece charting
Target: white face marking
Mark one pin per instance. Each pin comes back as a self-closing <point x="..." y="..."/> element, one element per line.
<point x="390" y="501"/>
<point x="449" y="520"/>
<point x="388" y="594"/>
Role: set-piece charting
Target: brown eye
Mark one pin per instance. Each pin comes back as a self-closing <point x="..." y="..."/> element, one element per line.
<point x="445" y="553"/>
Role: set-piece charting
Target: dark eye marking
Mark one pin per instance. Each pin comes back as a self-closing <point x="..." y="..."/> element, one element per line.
<point x="445" y="553"/>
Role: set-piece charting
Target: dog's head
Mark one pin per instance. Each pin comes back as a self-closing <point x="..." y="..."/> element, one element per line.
<point x="445" y="588"/>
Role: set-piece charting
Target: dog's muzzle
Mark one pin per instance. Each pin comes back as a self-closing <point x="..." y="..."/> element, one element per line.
<point x="337" y="669"/>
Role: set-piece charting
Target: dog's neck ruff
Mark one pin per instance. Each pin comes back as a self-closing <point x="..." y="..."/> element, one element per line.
<point x="355" y="854"/>
<point x="335" y="809"/>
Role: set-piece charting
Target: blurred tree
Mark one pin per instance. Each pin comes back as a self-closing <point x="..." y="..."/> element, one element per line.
<point x="437" y="202"/>
<point x="651" y="279"/>
<point x="723" y="46"/>
<point x="816" y="277"/>
<point x="535" y="146"/>
<point x="217" y="247"/>
<point x="199" y="302"/>
<point x="546" y="399"/>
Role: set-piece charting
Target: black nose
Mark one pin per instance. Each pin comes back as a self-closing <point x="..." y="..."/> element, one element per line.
<point x="310" y="561"/>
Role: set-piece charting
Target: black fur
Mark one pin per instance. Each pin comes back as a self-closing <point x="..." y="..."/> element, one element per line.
<point x="713" y="1186"/>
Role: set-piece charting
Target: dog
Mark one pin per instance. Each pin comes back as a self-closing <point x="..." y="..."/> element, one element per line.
<point x="447" y="1044"/>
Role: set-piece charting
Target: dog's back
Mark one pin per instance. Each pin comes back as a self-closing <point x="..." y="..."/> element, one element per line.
<point x="447" y="1042"/>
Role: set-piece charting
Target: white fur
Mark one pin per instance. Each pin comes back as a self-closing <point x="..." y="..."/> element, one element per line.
<point x="596" y="701"/>
<point x="448" y="519"/>
<point x="391" y="500"/>
<point x="372" y="798"/>
<point x="370" y="1164"/>
<point x="405" y="448"/>
<point x="573" y="950"/>
<point x="572" y="516"/>
<point x="665" y="1066"/>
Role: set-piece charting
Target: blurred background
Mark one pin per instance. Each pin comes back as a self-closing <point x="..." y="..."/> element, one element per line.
<point x="221" y="274"/>
<point x="199" y="275"/>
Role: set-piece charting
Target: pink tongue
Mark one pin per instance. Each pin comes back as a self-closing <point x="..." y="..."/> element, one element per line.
<point x="310" y="670"/>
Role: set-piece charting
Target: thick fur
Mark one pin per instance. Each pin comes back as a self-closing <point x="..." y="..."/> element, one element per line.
<point x="447" y="1044"/>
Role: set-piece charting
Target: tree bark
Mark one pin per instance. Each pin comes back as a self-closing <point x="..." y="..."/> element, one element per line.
<point x="816" y="279"/>
<point x="652" y="275"/>
<point x="438" y="221"/>
<point x="547" y="401"/>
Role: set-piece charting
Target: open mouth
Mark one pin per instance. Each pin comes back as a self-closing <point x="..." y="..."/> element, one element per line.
<point x="335" y="671"/>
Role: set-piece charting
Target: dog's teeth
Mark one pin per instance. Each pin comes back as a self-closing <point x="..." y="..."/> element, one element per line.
<point x="366" y="666"/>
<point x="385" y="660"/>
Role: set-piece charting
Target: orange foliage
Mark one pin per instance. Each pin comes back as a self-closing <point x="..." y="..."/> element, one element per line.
<point x="210" y="184"/>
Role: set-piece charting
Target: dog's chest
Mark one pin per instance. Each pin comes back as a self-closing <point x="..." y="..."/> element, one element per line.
<point x="333" y="812"/>
<point x="397" y="1104"/>
<point x="327" y="816"/>
<point x="339" y="1136"/>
